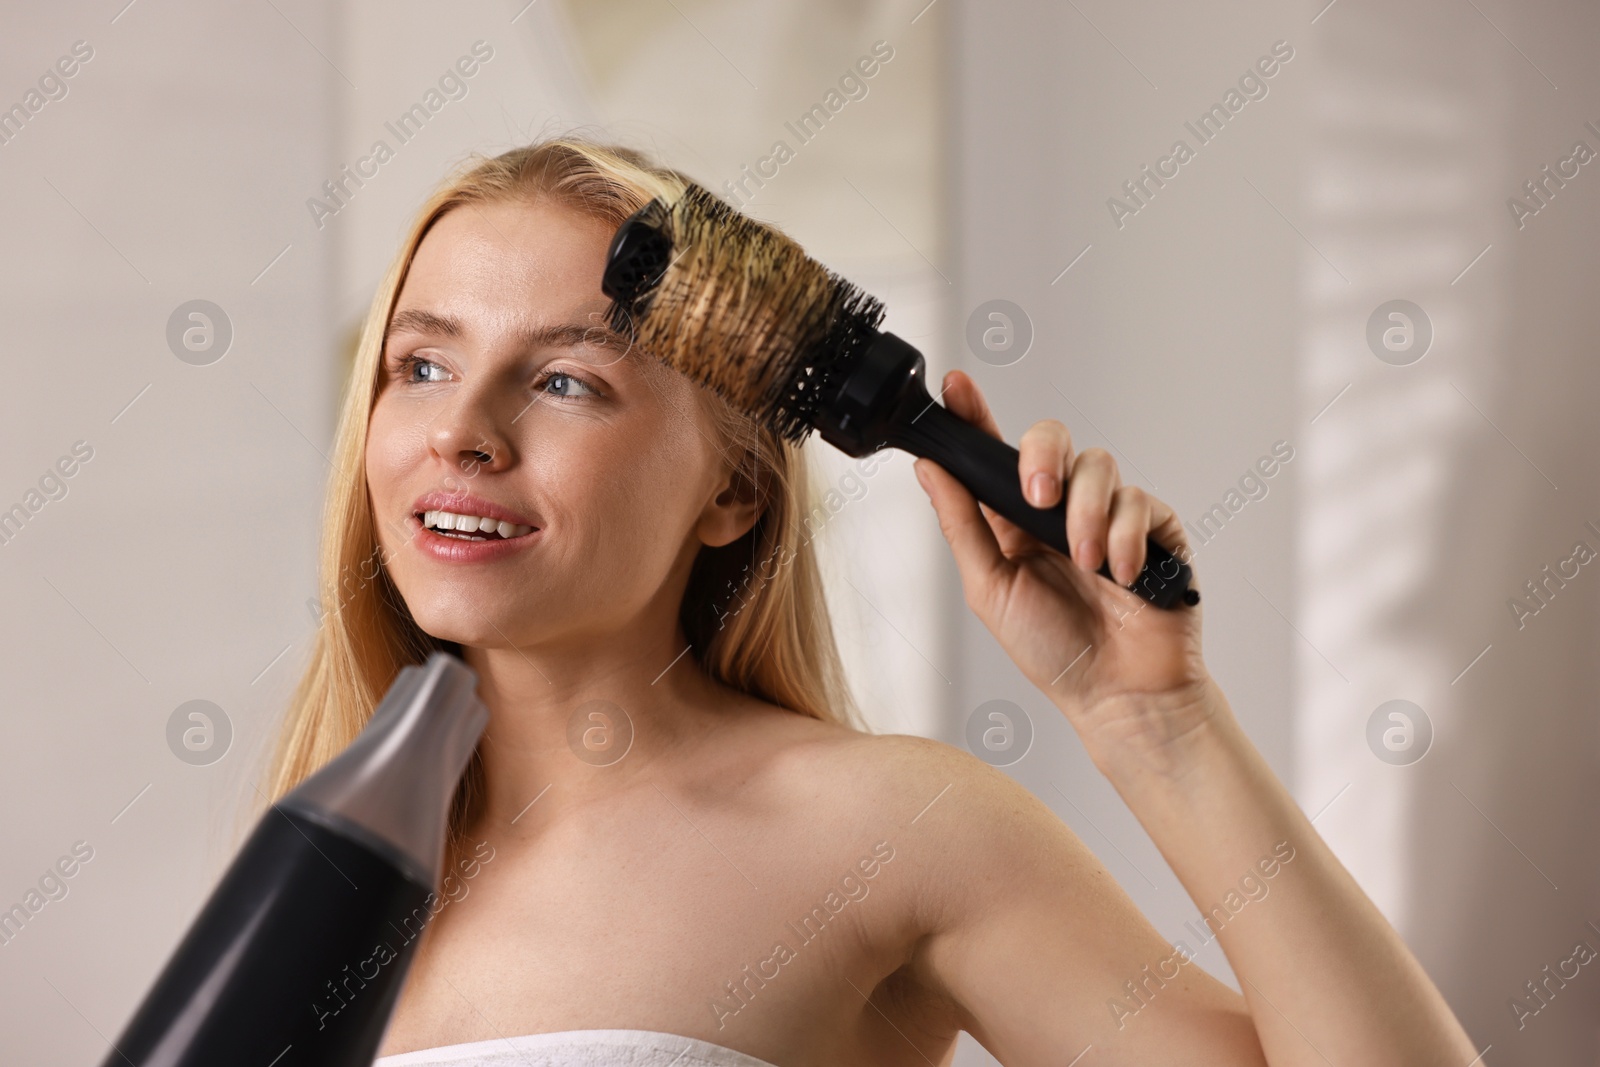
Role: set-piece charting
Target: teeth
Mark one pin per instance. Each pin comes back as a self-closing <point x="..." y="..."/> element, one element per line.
<point x="467" y="524"/>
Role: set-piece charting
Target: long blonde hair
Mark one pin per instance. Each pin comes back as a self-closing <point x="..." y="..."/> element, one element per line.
<point x="753" y="610"/>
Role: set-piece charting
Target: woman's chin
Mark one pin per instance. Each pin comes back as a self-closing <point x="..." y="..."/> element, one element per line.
<point x="485" y="625"/>
<point x="477" y="632"/>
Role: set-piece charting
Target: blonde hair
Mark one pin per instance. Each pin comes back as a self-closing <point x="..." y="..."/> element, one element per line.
<point x="753" y="610"/>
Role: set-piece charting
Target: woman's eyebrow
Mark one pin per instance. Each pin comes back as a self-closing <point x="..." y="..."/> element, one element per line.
<point x="556" y="335"/>
<point x="415" y="320"/>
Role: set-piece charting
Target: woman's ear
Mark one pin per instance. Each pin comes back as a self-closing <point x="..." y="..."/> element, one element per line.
<point x="734" y="509"/>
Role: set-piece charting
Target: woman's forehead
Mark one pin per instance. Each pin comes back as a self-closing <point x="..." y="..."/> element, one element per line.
<point x="513" y="251"/>
<point x="535" y="226"/>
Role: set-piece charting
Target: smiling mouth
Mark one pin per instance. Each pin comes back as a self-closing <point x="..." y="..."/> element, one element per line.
<point x="470" y="527"/>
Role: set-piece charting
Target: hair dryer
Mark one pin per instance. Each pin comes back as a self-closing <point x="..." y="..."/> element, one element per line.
<point x="297" y="958"/>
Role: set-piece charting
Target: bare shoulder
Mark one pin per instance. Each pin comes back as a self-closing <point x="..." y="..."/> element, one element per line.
<point x="959" y="826"/>
<point x="914" y="776"/>
<point x="999" y="920"/>
<point x="890" y="770"/>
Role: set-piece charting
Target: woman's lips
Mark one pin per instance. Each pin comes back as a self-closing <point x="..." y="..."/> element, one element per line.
<point x="461" y="550"/>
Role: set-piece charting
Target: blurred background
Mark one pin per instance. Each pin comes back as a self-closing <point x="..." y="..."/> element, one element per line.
<point x="1369" y="269"/>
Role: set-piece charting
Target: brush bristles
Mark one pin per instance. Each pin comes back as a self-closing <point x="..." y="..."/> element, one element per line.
<point x="744" y="311"/>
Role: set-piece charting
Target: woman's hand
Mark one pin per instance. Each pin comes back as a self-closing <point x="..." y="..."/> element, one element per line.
<point x="1158" y="726"/>
<point x="1123" y="671"/>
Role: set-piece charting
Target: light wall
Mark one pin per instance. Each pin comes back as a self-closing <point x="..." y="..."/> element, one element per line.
<point x="1165" y="336"/>
<point x="1226" y="314"/>
<point x="1231" y="311"/>
<point x="177" y="565"/>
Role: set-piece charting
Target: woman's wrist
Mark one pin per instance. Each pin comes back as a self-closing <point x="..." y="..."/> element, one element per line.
<point x="1165" y="735"/>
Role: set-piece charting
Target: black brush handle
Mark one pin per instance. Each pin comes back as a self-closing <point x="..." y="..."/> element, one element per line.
<point x="987" y="466"/>
<point x="883" y="400"/>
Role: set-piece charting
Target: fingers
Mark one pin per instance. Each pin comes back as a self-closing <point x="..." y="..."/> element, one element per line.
<point x="1136" y="519"/>
<point x="960" y="394"/>
<point x="1046" y="449"/>
<point x="1107" y="521"/>
<point x="1166" y="530"/>
<point x="1090" y="485"/>
<point x="1129" y="525"/>
<point x="1046" y="456"/>
<point x="972" y="541"/>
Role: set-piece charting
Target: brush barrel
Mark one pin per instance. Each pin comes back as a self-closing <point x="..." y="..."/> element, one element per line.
<point x="885" y="402"/>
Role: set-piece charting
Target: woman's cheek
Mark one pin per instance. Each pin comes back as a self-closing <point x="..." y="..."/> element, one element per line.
<point x="387" y="461"/>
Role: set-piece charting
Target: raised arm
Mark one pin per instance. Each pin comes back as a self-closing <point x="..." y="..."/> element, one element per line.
<point x="1326" y="979"/>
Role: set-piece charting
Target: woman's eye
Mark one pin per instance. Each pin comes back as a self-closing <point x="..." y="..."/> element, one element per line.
<point x="410" y="364"/>
<point x="559" y="383"/>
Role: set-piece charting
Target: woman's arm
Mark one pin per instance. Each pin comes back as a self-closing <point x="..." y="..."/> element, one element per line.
<point x="1325" y="977"/>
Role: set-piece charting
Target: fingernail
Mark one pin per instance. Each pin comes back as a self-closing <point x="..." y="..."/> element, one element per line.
<point x="1043" y="486"/>
<point x="1089" y="556"/>
<point x="922" y="479"/>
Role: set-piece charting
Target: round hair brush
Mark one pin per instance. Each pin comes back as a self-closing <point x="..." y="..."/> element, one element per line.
<point x="740" y="308"/>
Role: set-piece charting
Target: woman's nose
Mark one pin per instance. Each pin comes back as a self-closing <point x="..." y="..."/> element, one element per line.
<point x="469" y="434"/>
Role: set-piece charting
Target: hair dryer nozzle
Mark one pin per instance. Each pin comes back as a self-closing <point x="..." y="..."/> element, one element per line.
<point x="298" y="956"/>
<point x="395" y="780"/>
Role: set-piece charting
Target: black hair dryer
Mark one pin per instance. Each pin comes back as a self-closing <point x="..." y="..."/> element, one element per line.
<point x="297" y="958"/>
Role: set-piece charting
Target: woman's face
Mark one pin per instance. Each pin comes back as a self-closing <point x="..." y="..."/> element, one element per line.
<point x="501" y="389"/>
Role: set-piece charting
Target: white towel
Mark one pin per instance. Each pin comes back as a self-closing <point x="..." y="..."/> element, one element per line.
<point x="578" y="1048"/>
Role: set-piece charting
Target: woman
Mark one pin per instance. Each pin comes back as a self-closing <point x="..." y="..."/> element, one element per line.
<point x="733" y="873"/>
